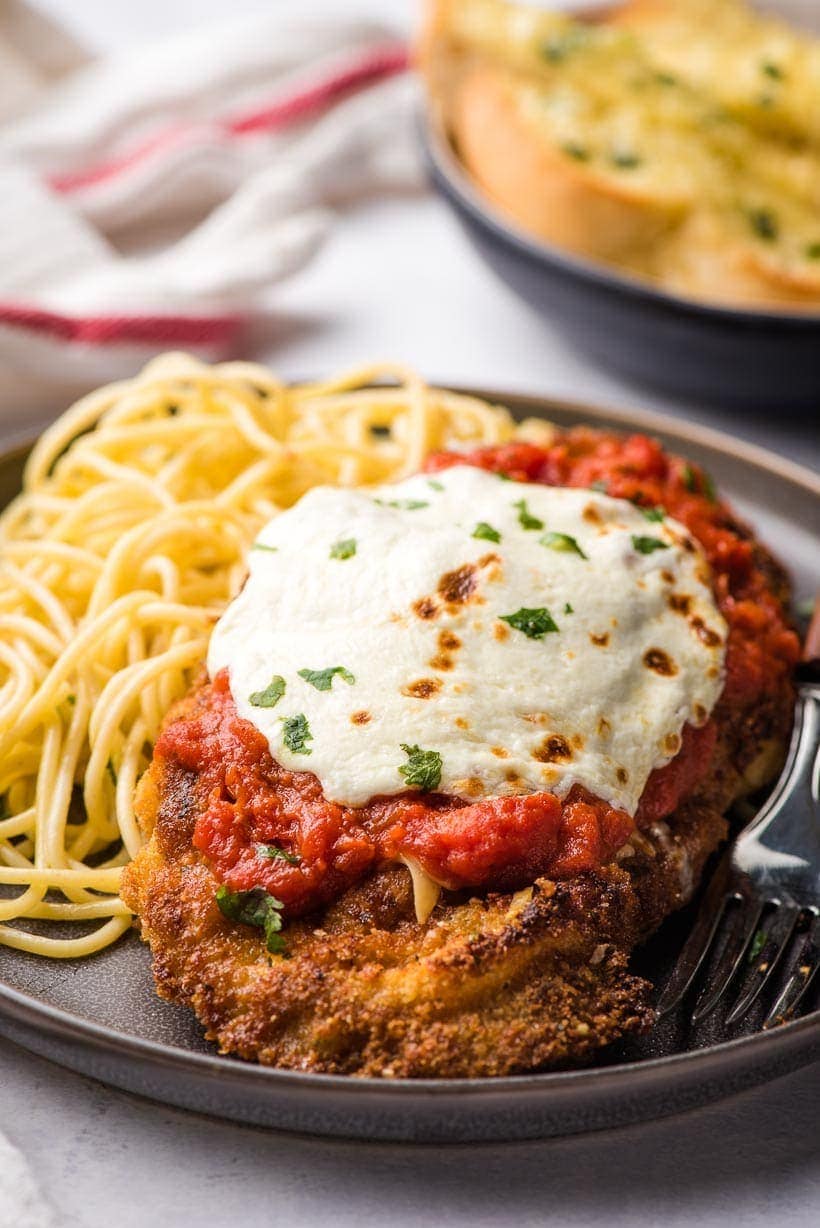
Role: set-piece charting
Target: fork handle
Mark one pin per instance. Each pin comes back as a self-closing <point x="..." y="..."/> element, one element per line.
<point x="790" y="818"/>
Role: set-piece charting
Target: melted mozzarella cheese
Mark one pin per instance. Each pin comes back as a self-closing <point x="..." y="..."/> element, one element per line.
<point x="573" y="649"/>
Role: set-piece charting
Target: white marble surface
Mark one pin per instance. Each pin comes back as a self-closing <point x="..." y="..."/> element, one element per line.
<point x="399" y="280"/>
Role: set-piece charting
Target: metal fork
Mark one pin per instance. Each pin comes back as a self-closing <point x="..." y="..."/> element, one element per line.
<point x="770" y="881"/>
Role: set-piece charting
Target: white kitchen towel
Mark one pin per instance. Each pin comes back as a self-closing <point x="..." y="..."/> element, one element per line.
<point x="154" y="199"/>
<point x="21" y="1205"/>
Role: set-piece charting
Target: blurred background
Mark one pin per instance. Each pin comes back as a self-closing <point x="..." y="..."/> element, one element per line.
<point x="318" y="245"/>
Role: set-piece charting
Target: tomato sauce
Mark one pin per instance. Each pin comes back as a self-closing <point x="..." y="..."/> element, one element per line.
<point x="260" y="825"/>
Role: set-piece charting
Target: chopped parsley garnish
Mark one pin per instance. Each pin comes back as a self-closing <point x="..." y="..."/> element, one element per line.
<point x="655" y="514"/>
<point x="322" y="679"/>
<point x="262" y="546"/>
<point x="689" y="479"/>
<point x="709" y="488"/>
<point x="764" y="223"/>
<point x="534" y="623"/>
<point x="600" y="486"/>
<point x="772" y="70"/>
<point x="434" y="485"/>
<point x="486" y="533"/>
<point x="568" y="609"/>
<point x="813" y="251"/>
<point x="665" y="78"/>
<point x="645" y="545"/>
<point x="503" y="477"/>
<point x="256" y="907"/>
<point x="757" y="945"/>
<point x="525" y="518"/>
<point x="296" y="733"/>
<point x="579" y="152"/>
<point x="423" y="767"/>
<point x="272" y="852"/>
<point x="344" y="549"/>
<point x="563" y="543"/>
<point x="698" y="485"/>
<point x="626" y="161"/>
<point x="404" y="505"/>
<point x="271" y="695"/>
<point x="556" y="48"/>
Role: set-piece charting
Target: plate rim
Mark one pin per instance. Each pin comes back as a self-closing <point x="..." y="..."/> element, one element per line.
<point x="799" y="1037"/>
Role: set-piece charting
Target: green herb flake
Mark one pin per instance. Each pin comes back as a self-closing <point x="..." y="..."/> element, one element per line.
<point x="764" y="223"/>
<point x="272" y="852"/>
<point x="486" y="533"/>
<point x="655" y="514"/>
<point x="434" y="485"/>
<point x="812" y="251"/>
<point x="262" y="546"/>
<point x="772" y="70"/>
<point x="568" y="609"/>
<point x="757" y="945"/>
<point x="503" y="477"/>
<point x="423" y="767"/>
<point x="600" y="487"/>
<point x="71" y="700"/>
<point x="626" y="161"/>
<point x="296" y="733"/>
<point x="525" y="518"/>
<point x="256" y="907"/>
<point x="805" y="608"/>
<point x="271" y="695"/>
<point x="708" y="487"/>
<point x="404" y="505"/>
<point x="535" y="624"/>
<point x="689" y="479"/>
<point x="322" y="679"/>
<point x="343" y="549"/>
<point x="645" y="545"/>
<point x="580" y="153"/>
<point x="666" y="78"/>
<point x="563" y="543"/>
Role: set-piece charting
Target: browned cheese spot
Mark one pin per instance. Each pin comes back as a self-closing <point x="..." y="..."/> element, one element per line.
<point x="360" y="718"/>
<point x="622" y="775"/>
<point x="487" y="559"/>
<point x="672" y="743"/>
<point x="713" y="672"/>
<point x="458" y="586"/>
<point x="441" y="661"/>
<point x="660" y="662"/>
<point x="448" y="641"/>
<point x="425" y="607"/>
<point x="705" y="634"/>
<point x="600" y="641"/>
<point x="500" y="752"/>
<point x="512" y="777"/>
<point x="591" y="514"/>
<point x="667" y="576"/>
<point x="680" y="602"/>
<point x="554" y="749"/>
<point x="577" y="741"/>
<point x="688" y="544"/>
<point x="471" y="787"/>
<point x="460" y="723"/>
<point x="501" y="632"/>
<point x="536" y="718"/>
<point x="604" y="728"/>
<point x="422" y="688"/>
<point x="700" y="714"/>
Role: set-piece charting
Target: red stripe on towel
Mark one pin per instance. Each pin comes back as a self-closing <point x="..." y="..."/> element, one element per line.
<point x="116" y="330"/>
<point x="374" y="65"/>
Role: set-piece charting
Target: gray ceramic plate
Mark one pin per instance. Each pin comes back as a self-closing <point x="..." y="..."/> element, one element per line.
<point x="100" y="1016"/>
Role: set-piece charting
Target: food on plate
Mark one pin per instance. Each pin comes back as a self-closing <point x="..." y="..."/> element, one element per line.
<point x="426" y="718"/>
<point x="128" y="541"/>
<point x="677" y="140"/>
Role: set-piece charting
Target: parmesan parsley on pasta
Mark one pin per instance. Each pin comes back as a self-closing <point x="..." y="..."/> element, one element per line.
<point x="130" y="538"/>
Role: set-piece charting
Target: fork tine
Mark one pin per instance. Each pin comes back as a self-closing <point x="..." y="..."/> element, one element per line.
<point x="731" y="958"/>
<point x="804" y="966"/>
<point x="779" y="930"/>
<point x="697" y="944"/>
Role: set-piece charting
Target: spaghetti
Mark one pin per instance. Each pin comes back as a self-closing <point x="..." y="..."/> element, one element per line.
<point x="129" y="539"/>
